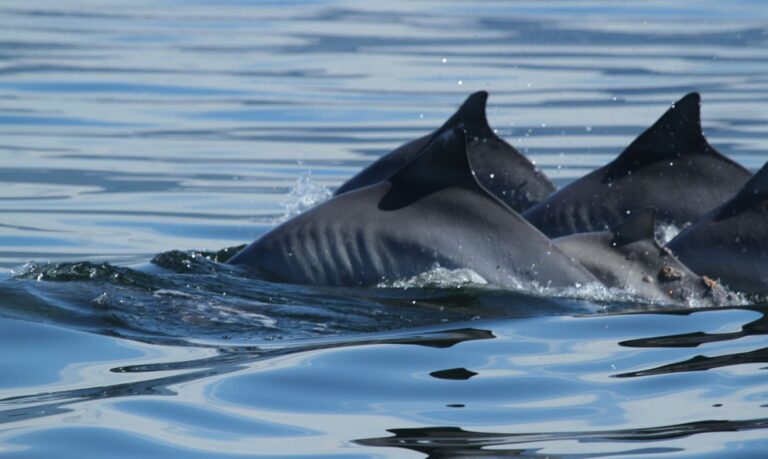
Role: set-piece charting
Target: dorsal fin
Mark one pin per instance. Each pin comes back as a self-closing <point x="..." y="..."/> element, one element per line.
<point x="640" y="225"/>
<point x="754" y="192"/>
<point x="677" y="133"/>
<point x="470" y="117"/>
<point x="441" y="164"/>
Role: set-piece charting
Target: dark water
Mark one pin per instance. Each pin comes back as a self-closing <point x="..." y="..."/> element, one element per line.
<point x="138" y="140"/>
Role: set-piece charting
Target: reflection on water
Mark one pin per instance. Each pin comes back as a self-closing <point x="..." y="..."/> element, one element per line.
<point x="139" y="139"/>
<point x="455" y="442"/>
<point x="536" y="386"/>
<point x="226" y="360"/>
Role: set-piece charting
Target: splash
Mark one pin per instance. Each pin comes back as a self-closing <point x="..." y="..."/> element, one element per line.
<point x="665" y="233"/>
<point x="305" y="194"/>
<point x="439" y="277"/>
<point x="591" y="292"/>
<point x="443" y="278"/>
<point x="597" y="293"/>
<point x="195" y="261"/>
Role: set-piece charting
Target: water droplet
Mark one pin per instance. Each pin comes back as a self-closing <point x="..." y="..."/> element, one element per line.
<point x="492" y="175"/>
<point x="543" y="125"/>
<point x="421" y="116"/>
<point x="461" y="82"/>
<point x="588" y="128"/>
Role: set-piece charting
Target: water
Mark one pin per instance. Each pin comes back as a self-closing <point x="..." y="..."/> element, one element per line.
<point x="139" y="140"/>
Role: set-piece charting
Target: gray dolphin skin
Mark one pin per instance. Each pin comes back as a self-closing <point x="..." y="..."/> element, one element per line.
<point x="670" y="166"/>
<point x="731" y="242"/>
<point x="430" y="212"/>
<point x="500" y="168"/>
<point x="629" y="258"/>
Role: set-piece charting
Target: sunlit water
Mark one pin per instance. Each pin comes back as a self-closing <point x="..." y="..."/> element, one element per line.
<point x="140" y="140"/>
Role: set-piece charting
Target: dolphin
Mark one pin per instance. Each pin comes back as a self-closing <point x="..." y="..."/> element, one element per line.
<point x="431" y="212"/>
<point x="629" y="258"/>
<point x="670" y="166"/>
<point x="731" y="242"/>
<point x="500" y="168"/>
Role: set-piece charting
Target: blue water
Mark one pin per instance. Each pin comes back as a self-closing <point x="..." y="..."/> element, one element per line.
<point x="140" y="140"/>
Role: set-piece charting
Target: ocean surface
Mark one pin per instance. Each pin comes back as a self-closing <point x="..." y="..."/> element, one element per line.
<point x="141" y="142"/>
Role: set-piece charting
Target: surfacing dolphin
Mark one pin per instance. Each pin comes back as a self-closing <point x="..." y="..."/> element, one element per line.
<point x="670" y="166"/>
<point x="431" y="212"/>
<point x="629" y="258"/>
<point x="731" y="242"/>
<point x="500" y="168"/>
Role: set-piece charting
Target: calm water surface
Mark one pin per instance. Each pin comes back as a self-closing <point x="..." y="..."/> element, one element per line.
<point x="140" y="139"/>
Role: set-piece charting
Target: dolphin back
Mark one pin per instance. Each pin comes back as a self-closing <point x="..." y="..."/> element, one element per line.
<point x="629" y="258"/>
<point x="670" y="167"/>
<point x="431" y="212"/>
<point x="731" y="242"/>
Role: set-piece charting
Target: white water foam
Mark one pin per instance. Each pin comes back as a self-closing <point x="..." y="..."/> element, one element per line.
<point x="665" y="233"/>
<point x="306" y="194"/>
<point x="591" y="292"/>
<point x="602" y="294"/>
<point x="439" y="277"/>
